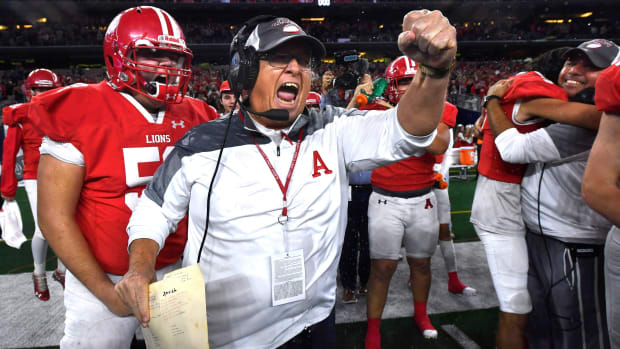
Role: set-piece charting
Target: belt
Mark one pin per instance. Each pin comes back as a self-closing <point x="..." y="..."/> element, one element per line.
<point x="403" y="194"/>
<point x="361" y="186"/>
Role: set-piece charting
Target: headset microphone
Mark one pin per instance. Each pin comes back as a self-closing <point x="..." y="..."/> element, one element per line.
<point x="271" y="114"/>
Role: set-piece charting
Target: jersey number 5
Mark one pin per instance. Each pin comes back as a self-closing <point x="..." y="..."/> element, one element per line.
<point x="132" y="158"/>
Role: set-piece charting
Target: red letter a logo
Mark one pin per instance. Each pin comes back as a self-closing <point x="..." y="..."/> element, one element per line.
<point x="428" y="204"/>
<point x="319" y="165"/>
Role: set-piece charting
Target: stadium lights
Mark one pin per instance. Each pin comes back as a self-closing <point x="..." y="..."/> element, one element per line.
<point x="3" y="27"/>
<point x="585" y="14"/>
<point x="42" y="20"/>
<point x="27" y="26"/>
<point x="313" y="19"/>
<point x="554" y="21"/>
<point x="380" y="26"/>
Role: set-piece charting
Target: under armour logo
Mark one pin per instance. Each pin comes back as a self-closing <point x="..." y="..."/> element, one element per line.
<point x="169" y="96"/>
<point x="382" y="202"/>
<point x="428" y="204"/>
<point x="181" y="124"/>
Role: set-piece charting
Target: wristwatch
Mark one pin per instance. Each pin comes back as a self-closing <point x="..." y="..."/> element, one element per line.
<point x="488" y="98"/>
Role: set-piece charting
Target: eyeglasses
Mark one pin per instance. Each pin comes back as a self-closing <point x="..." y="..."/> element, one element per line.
<point x="282" y="60"/>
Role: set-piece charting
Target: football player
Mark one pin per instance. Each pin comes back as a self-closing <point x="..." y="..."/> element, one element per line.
<point x="402" y="209"/>
<point x="103" y="144"/>
<point x="22" y="134"/>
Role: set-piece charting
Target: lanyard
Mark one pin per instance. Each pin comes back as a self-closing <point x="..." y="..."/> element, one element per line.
<point x="284" y="188"/>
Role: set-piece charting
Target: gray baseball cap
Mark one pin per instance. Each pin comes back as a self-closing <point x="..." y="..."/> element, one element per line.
<point x="602" y="53"/>
<point x="268" y="35"/>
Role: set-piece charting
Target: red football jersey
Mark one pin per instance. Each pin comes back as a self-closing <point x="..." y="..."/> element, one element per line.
<point x="414" y="172"/>
<point x="607" y="95"/>
<point x="10" y="148"/>
<point x="17" y="115"/>
<point x="122" y="147"/>
<point x="524" y="86"/>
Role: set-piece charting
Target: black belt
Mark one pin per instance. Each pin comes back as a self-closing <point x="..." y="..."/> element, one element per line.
<point x="577" y="249"/>
<point x="403" y="194"/>
<point x="361" y="186"/>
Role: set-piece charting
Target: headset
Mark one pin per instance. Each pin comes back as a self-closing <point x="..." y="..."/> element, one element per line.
<point x="244" y="67"/>
<point x="244" y="60"/>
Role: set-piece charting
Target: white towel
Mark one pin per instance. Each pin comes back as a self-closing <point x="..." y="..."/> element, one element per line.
<point x="11" y="224"/>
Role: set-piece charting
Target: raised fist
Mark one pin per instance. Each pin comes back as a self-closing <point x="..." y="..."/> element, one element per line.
<point x="428" y="38"/>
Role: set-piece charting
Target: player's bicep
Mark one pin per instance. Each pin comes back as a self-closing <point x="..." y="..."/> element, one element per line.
<point x="572" y="113"/>
<point x="59" y="187"/>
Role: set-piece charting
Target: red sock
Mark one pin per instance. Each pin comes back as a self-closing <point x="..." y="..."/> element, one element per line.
<point x="420" y="316"/>
<point x="373" y="335"/>
<point x="454" y="284"/>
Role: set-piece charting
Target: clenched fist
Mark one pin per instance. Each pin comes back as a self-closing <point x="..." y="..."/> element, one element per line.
<point x="428" y="38"/>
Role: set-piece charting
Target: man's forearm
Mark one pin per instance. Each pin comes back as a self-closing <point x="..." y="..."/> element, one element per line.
<point x="142" y="254"/>
<point x="421" y="107"/>
<point x="497" y="118"/>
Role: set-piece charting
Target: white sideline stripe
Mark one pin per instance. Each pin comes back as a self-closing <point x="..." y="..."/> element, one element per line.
<point x="460" y="337"/>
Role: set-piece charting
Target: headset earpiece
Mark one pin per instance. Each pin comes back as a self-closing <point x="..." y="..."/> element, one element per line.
<point x="244" y="60"/>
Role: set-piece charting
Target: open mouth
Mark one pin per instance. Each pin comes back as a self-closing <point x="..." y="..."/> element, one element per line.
<point x="573" y="83"/>
<point x="287" y="93"/>
<point x="160" y="79"/>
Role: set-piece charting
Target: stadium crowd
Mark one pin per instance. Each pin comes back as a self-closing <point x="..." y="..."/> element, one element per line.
<point x="468" y="84"/>
<point x="210" y="30"/>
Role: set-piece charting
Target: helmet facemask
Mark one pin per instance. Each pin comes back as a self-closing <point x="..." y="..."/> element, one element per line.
<point x="159" y="72"/>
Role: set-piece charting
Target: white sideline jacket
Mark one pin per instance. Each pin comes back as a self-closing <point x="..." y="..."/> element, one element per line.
<point x="552" y="182"/>
<point x="246" y="202"/>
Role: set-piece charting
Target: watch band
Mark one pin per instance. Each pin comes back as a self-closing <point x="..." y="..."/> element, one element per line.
<point x="435" y="73"/>
<point x="488" y="98"/>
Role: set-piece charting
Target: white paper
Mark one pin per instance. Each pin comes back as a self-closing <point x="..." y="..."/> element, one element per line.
<point x="288" y="278"/>
<point x="178" y="311"/>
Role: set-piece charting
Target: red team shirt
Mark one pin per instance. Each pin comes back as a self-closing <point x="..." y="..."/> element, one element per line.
<point x="122" y="148"/>
<point x="22" y="133"/>
<point x="525" y="86"/>
<point x="607" y="95"/>
<point x="414" y="172"/>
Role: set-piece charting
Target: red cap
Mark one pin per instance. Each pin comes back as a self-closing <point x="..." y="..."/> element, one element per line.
<point x="225" y="86"/>
<point x="313" y="98"/>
